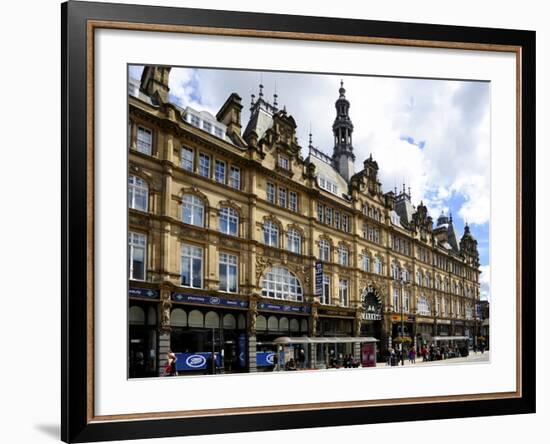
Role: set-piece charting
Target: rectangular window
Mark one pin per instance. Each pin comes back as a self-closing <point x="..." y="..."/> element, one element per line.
<point x="406" y="301"/>
<point x="204" y="165"/>
<point x="395" y="299"/>
<point x="228" y="272"/>
<point x="337" y="220"/>
<point x="207" y="126"/>
<point x="294" y="241"/>
<point x="344" y="292"/>
<point x="144" y="140"/>
<point x="191" y="266"/>
<point x="325" y="294"/>
<point x="293" y="201"/>
<point x="187" y="159"/>
<point x="283" y="162"/>
<point x="218" y="132"/>
<point x="235" y="178"/>
<point x="270" y="193"/>
<point x="282" y="197"/>
<point x="195" y="121"/>
<point x="328" y="216"/>
<point x="345" y="222"/>
<point x="320" y="213"/>
<point x="219" y="173"/>
<point x="137" y="244"/>
<point x="324" y="251"/>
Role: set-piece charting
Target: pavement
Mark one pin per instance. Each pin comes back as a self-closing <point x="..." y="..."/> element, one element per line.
<point x="472" y="357"/>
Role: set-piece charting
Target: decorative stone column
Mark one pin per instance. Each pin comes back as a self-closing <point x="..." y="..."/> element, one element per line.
<point x="314" y="318"/>
<point x="164" y="330"/>
<point x="357" y="330"/>
<point x="252" y="314"/>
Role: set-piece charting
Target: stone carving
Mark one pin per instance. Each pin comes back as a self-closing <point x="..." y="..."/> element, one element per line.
<point x="261" y="264"/>
<point x="252" y="314"/>
<point x="314" y="319"/>
<point x="165" y="308"/>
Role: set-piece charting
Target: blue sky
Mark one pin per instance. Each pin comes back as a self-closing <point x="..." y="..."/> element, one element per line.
<point x="432" y="135"/>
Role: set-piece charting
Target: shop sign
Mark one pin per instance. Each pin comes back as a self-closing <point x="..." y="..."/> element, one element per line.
<point x="264" y="359"/>
<point x="443" y="321"/>
<point x="318" y="278"/>
<point x="196" y="361"/>
<point x="208" y="300"/>
<point x="406" y="318"/>
<point x="372" y="308"/>
<point x="143" y="293"/>
<point x="286" y="308"/>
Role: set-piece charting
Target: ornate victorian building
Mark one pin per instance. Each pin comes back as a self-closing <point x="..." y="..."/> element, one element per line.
<point x="227" y="224"/>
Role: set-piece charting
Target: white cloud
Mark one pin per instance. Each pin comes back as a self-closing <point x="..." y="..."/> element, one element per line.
<point x="485" y="283"/>
<point x="451" y="118"/>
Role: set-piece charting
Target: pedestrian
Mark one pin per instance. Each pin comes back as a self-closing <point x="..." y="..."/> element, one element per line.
<point x="302" y="358"/>
<point x="412" y="355"/>
<point x="170" y="367"/>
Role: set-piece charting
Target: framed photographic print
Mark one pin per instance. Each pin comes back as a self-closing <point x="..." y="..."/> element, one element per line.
<point x="277" y="221"/>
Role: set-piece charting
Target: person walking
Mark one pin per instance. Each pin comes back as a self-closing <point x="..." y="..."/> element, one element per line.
<point x="412" y="355"/>
<point x="170" y="367"/>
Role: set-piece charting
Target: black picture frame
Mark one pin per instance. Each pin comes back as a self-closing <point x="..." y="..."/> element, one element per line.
<point x="76" y="424"/>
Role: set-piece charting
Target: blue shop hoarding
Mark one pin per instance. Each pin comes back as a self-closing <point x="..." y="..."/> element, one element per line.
<point x="143" y="293"/>
<point x="264" y="359"/>
<point x="196" y="361"/>
<point x="284" y="308"/>
<point x="208" y="300"/>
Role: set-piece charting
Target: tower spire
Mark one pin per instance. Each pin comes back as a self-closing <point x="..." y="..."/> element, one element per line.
<point x="342" y="128"/>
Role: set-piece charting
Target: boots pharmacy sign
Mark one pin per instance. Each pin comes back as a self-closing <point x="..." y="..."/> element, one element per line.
<point x="371" y="304"/>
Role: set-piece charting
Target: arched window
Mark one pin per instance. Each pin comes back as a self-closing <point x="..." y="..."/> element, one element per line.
<point x="229" y="221"/>
<point x="422" y="305"/>
<point x="324" y="250"/>
<point x="280" y="283"/>
<point x="178" y="318"/>
<point x="193" y="210"/>
<point x="294" y="241"/>
<point x="271" y="234"/>
<point x="138" y="193"/>
<point x="343" y="255"/>
<point x="136" y="315"/>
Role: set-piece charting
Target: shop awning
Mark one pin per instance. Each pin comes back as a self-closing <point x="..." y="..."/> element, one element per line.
<point x="323" y="340"/>
<point x="450" y="338"/>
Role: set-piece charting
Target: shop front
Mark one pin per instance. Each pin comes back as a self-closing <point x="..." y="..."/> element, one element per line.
<point x="208" y="334"/>
<point x="277" y="320"/>
<point x="142" y="332"/>
<point x="335" y="326"/>
<point x="371" y="323"/>
<point x="425" y="331"/>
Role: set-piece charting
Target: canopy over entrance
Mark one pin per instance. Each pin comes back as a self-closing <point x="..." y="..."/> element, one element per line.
<point x="323" y="340"/>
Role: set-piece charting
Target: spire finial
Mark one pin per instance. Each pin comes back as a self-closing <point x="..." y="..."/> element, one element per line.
<point x="261" y="93"/>
<point x="275" y="104"/>
<point x="252" y="97"/>
<point x="342" y="90"/>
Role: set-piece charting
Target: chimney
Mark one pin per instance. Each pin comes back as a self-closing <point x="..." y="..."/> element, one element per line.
<point x="230" y="114"/>
<point x="154" y="82"/>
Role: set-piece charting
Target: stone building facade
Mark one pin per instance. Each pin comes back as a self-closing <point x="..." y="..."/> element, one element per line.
<point x="227" y="221"/>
